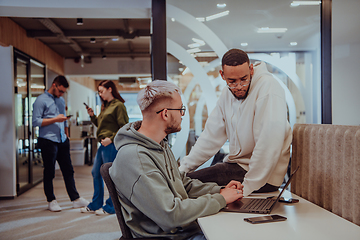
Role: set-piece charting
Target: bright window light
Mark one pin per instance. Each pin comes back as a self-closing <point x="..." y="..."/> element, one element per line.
<point x="271" y="30"/>
<point x="305" y="3"/>
<point x="218" y="15"/>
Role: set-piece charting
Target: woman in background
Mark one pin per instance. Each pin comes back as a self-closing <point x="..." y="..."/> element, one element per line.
<point x="112" y="117"/>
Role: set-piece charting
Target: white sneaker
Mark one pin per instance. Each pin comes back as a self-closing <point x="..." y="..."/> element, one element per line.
<point x="86" y="210"/>
<point x="80" y="202"/>
<point x="54" y="206"/>
<point x="101" y="212"/>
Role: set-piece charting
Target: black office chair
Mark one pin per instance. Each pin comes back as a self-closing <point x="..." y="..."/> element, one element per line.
<point x="126" y="233"/>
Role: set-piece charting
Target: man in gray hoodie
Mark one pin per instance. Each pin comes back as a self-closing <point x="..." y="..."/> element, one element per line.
<point x="157" y="200"/>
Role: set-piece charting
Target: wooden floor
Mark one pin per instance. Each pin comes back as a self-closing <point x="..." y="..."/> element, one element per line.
<point x="27" y="217"/>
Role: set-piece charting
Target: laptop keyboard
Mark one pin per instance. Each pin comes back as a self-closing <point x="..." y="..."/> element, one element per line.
<point x="258" y="204"/>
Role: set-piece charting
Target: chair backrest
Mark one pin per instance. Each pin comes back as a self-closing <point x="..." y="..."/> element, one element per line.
<point x="329" y="174"/>
<point x="104" y="170"/>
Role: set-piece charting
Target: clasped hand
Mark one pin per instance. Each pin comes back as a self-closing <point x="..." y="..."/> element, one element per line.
<point x="106" y="141"/>
<point x="232" y="191"/>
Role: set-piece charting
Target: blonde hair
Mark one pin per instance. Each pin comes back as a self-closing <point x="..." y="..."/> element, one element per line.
<point x="154" y="91"/>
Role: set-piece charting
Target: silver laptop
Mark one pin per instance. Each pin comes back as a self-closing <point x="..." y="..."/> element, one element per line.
<point x="257" y="205"/>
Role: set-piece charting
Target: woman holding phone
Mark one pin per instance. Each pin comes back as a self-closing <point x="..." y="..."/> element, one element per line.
<point x="112" y="117"/>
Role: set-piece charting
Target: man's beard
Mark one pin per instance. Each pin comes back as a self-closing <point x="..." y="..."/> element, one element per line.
<point x="246" y="94"/>
<point x="242" y="97"/>
<point x="173" y="128"/>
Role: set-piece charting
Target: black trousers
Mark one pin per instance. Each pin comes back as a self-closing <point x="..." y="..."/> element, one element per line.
<point x="223" y="173"/>
<point x="52" y="152"/>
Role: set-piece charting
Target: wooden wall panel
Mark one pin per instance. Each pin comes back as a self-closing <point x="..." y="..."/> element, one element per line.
<point x="12" y="34"/>
<point x="85" y="81"/>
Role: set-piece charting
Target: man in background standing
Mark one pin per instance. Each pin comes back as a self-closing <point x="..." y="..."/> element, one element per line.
<point x="49" y="114"/>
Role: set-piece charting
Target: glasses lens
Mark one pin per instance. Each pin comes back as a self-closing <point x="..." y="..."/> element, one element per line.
<point x="183" y="109"/>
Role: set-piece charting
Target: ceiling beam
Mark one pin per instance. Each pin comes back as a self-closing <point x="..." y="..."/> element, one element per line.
<point x="54" y="29"/>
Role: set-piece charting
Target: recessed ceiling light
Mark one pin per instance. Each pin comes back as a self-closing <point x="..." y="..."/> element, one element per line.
<point x="200" y="19"/>
<point x="173" y="19"/>
<point x="293" y="43"/>
<point x="271" y="30"/>
<point x="79" y="21"/>
<point x="194" y="45"/>
<point x="244" y="44"/>
<point x="206" y="54"/>
<point x="221" y="5"/>
<point x="305" y="3"/>
<point x="218" y="15"/>
<point x="201" y="42"/>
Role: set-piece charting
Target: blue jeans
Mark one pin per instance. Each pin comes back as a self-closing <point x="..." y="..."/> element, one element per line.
<point x="103" y="155"/>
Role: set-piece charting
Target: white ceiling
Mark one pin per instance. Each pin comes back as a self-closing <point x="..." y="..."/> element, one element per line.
<point x="245" y="17"/>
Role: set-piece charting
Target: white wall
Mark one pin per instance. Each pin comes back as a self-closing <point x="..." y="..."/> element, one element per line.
<point x="77" y="94"/>
<point x="345" y="63"/>
<point x="7" y="124"/>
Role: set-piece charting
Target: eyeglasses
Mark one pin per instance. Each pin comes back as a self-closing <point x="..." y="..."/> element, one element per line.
<point x="182" y="110"/>
<point x="243" y="83"/>
<point x="60" y="91"/>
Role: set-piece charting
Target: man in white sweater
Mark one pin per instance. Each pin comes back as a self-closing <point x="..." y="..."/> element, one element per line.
<point x="251" y="113"/>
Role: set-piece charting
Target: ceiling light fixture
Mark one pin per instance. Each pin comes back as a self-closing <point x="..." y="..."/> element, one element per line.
<point x="79" y="21"/>
<point x="206" y="54"/>
<point x="200" y="19"/>
<point x="304" y="3"/>
<point x="218" y="15"/>
<point x="173" y="19"/>
<point x="193" y="45"/>
<point x="201" y="42"/>
<point x="221" y="5"/>
<point x="193" y="50"/>
<point x="271" y="30"/>
<point x="244" y="44"/>
<point x="115" y="39"/>
<point x="197" y="43"/>
<point x="293" y="43"/>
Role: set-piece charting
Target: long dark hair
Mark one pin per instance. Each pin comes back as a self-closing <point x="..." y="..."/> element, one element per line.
<point x="110" y="84"/>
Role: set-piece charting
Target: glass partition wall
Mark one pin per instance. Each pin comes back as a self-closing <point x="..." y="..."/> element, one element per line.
<point x="29" y="83"/>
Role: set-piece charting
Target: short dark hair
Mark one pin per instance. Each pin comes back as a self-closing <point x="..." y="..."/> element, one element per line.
<point x="61" y="81"/>
<point x="235" y="57"/>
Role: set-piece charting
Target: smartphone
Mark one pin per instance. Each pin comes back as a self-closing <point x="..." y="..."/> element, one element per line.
<point x="86" y="105"/>
<point x="69" y="116"/>
<point x="288" y="200"/>
<point x="265" y="219"/>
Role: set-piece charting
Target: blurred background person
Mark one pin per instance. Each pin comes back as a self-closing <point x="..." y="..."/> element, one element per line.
<point x="112" y="117"/>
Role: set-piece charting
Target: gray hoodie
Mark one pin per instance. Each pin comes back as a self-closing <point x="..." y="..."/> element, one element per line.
<point x="157" y="200"/>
